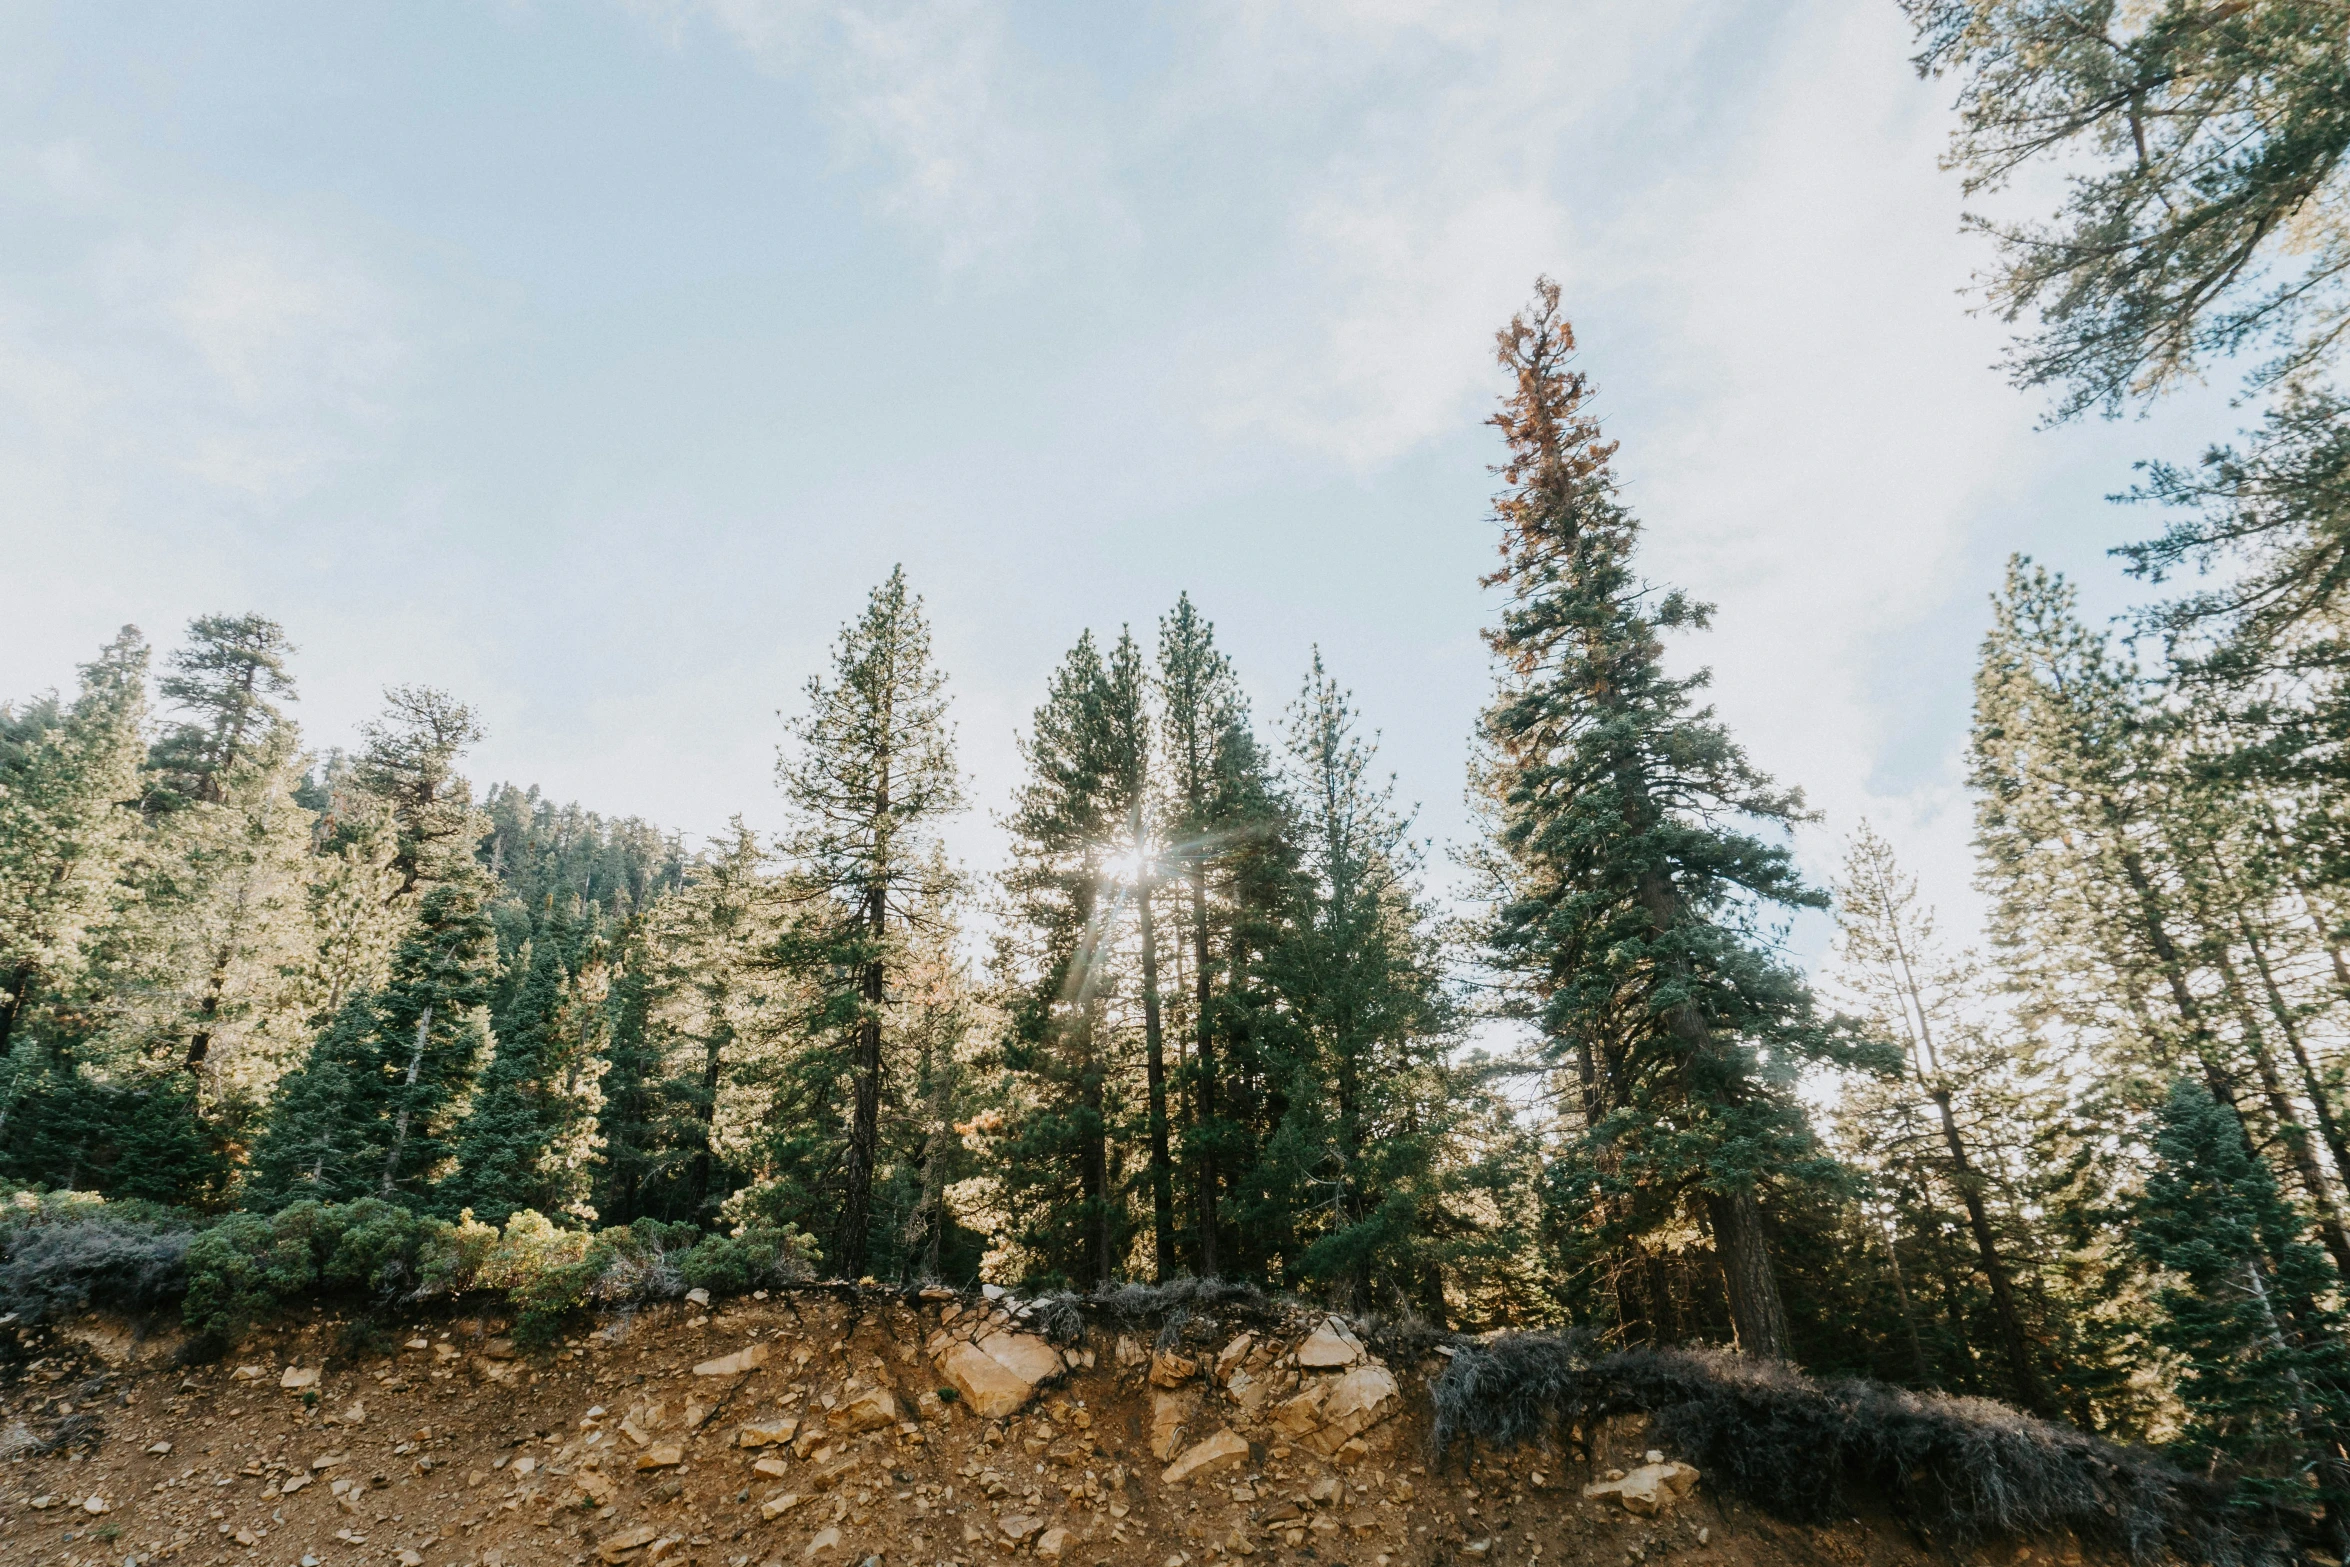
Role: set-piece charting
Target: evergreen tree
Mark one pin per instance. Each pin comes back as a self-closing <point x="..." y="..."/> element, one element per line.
<point x="409" y="764"/>
<point x="1626" y="915"/>
<point x="66" y="827"/>
<point x="529" y="1135"/>
<point x="1066" y="826"/>
<point x="322" y="1139"/>
<point x="1223" y="833"/>
<point x="223" y="680"/>
<point x="2204" y="167"/>
<point x="1916" y="994"/>
<point x="1368" y="1112"/>
<point x="2247" y="1308"/>
<point x="869" y="775"/>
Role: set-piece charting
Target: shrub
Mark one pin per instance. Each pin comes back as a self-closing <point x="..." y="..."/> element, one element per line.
<point x="1967" y="1467"/>
<point x="70" y="1251"/>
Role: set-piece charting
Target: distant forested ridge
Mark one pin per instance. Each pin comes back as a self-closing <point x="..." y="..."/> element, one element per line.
<point x="1208" y="1018"/>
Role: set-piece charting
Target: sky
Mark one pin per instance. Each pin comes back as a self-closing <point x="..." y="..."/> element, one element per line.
<point x="593" y="360"/>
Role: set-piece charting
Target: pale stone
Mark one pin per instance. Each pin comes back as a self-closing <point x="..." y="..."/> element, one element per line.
<point x="247" y="1374"/>
<point x="1649" y="1489"/>
<point x="1130" y="1353"/>
<point x="329" y="1460"/>
<point x="1018" y="1526"/>
<point x="1248" y="1390"/>
<point x="97" y="1504"/>
<point x="298" y="1377"/>
<point x="619" y="1545"/>
<point x="597" y="1488"/>
<point x="1228" y="1358"/>
<point x="1052" y="1543"/>
<point x="734" y="1365"/>
<point x="767" y="1433"/>
<point x="1329" y="1345"/>
<point x="870" y="1410"/>
<point x="160" y="1447"/>
<point x="826" y="1540"/>
<point x="695" y="1414"/>
<point x="1169" y="1413"/>
<point x="291" y="1484"/>
<point x="1352" y="1404"/>
<point x="1222" y="1451"/>
<point x="777" y="1505"/>
<point x="1301" y="1415"/>
<point x="411" y="1558"/>
<point x="700" y="1297"/>
<point x="999" y="1373"/>
<point x="774" y="1468"/>
<point x="663" y="1455"/>
<point x="1169" y="1369"/>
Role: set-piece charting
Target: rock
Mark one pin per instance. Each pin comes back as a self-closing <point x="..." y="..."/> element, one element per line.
<point x="1169" y="1369"/>
<point x="826" y="1540"/>
<point x="662" y="1455"/>
<point x="596" y="1487"/>
<point x="160" y="1448"/>
<point x="869" y="1410"/>
<point x="1647" y="1490"/>
<point x="769" y="1433"/>
<point x="1228" y="1358"/>
<point x="526" y="1466"/>
<point x="1222" y="1451"/>
<point x="1052" y="1543"/>
<point x="1018" y="1526"/>
<point x="935" y="1292"/>
<point x="1363" y="1520"/>
<point x="999" y="1373"/>
<point x="298" y="1377"/>
<point x="617" y="1546"/>
<point x="1330" y="1345"/>
<point x="356" y="1415"/>
<point x="695" y="1414"/>
<point x="777" y="1505"/>
<point x="1248" y="1390"/>
<point x="97" y="1504"/>
<point x="932" y="1407"/>
<point x="1302" y="1415"/>
<point x="1351" y="1404"/>
<point x="247" y="1374"/>
<point x="1129" y="1352"/>
<point x="1170" y="1412"/>
<point x="292" y="1483"/>
<point x="411" y="1558"/>
<point x="634" y="1432"/>
<point x="329" y="1460"/>
<point x="700" y="1297"/>
<point x="773" y="1468"/>
<point x="246" y="1538"/>
<point x="1324" y="1490"/>
<point x="734" y="1365"/>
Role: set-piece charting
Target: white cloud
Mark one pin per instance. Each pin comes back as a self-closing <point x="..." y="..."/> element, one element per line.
<point x="977" y="141"/>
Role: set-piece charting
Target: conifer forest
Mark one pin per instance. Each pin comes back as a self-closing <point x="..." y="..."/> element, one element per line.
<point x="1222" y="1013"/>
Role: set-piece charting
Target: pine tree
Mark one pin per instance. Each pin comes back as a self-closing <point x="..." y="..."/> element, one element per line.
<point x="1129" y="802"/>
<point x="529" y="1134"/>
<point x="223" y="680"/>
<point x="869" y="775"/>
<point x="1222" y="828"/>
<point x="1626" y="911"/>
<point x="66" y="827"/>
<point x="322" y="1140"/>
<point x="1915" y="993"/>
<point x="1066" y="825"/>
<point x="1368" y="1112"/>
<point x="2246" y="1308"/>
<point x="409" y="764"/>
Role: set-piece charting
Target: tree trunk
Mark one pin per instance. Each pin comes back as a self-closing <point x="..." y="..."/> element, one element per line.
<point x="400" y="1123"/>
<point x="13" y="1003"/>
<point x="1155" y="1068"/>
<point x="1909" y="1319"/>
<point x="1204" y="1065"/>
<point x="865" y="1121"/>
<point x="2011" y="1325"/>
<point x="1756" y="1311"/>
<point x="2289" y="1127"/>
<point x="2329" y="1126"/>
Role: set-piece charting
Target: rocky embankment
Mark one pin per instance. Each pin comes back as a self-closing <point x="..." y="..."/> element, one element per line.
<point x="821" y="1428"/>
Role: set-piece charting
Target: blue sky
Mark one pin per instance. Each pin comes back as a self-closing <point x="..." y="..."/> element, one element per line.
<point x="592" y="360"/>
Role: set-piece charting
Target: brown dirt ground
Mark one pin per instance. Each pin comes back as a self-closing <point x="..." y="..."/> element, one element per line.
<point x="443" y="1456"/>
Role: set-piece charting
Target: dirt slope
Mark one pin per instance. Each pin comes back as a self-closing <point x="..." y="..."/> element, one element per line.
<point x="441" y="1448"/>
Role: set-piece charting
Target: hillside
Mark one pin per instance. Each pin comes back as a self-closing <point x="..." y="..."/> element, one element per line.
<point x="820" y="1426"/>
